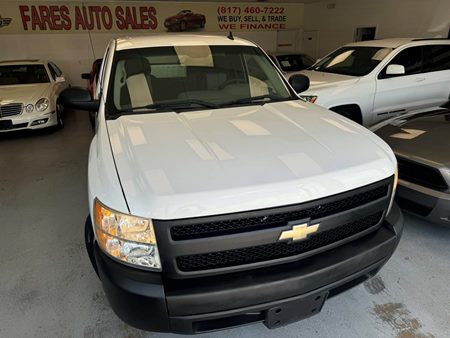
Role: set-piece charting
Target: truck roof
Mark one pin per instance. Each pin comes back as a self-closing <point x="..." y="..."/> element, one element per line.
<point x="161" y="40"/>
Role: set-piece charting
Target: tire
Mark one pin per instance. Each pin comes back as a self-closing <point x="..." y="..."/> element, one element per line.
<point x="202" y="24"/>
<point x="92" y="120"/>
<point x="59" y="112"/>
<point x="89" y="240"/>
<point x="183" y="26"/>
<point x="350" y="111"/>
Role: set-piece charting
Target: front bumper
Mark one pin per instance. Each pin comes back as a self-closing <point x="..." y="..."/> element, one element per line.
<point x="429" y="204"/>
<point x="28" y="121"/>
<point x="276" y="296"/>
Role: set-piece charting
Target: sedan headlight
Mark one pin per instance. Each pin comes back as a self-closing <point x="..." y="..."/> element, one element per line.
<point x="127" y="238"/>
<point x="41" y="105"/>
<point x="311" y="99"/>
<point x="29" y="108"/>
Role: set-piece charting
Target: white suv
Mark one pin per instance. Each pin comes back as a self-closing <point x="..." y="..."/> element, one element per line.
<point x="218" y="197"/>
<point x="374" y="80"/>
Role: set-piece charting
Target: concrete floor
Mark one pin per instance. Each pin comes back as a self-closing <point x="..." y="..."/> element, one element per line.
<point x="48" y="288"/>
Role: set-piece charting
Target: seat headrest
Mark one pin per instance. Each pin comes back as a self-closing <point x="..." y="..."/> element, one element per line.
<point x="137" y="65"/>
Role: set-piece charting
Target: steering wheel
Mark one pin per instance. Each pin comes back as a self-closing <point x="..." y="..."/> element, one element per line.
<point x="232" y="81"/>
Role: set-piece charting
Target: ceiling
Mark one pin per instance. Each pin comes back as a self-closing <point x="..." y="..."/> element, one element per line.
<point x="269" y="1"/>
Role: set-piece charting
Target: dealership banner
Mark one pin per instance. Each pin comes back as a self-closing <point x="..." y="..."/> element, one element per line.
<point x="21" y="17"/>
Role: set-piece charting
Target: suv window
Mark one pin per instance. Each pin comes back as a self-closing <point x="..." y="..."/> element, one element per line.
<point x="437" y="57"/>
<point x="294" y="62"/>
<point x="410" y="58"/>
<point x="352" y="60"/>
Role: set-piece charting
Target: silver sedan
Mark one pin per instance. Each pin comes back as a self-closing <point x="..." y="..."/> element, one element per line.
<point x="421" y="143"/>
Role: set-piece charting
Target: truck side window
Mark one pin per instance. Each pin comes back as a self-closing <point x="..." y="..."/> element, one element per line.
<point x="437" y="58"/>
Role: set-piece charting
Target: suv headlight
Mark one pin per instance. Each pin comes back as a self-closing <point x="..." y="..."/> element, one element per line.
<point x="41" y="105"/>
<point x="127" y="238"/>
<point x="311" y="99"/>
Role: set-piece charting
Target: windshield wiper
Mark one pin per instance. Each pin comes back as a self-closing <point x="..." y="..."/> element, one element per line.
<point x="177" y="104"/>
<point x="260" y="98"/>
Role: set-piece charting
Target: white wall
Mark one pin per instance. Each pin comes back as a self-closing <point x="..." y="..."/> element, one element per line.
<point x="393" y="18"/>
<point x="74" y="53"/>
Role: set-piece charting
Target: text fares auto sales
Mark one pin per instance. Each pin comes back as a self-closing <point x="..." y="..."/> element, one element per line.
<point x="88" y="17"/>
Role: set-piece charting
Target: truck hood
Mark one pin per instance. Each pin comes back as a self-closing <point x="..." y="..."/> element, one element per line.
<point x="220" y="161"/>
<point x="320" y="80"/>
<point x="28" y="93"/>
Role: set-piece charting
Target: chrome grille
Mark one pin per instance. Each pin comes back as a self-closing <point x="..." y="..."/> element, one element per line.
<point x="11" y="109"/>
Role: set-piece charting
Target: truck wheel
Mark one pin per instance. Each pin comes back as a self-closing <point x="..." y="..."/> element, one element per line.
<point x="350" y="111"/>
<point x="92" y="120"/>
<point x="89" y="240"/>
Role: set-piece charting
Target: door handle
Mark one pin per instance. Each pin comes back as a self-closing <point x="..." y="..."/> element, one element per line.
<point x="420" y="79"/>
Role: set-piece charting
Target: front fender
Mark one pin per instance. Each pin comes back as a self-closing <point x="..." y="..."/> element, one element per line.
<point x="103" y="179"/>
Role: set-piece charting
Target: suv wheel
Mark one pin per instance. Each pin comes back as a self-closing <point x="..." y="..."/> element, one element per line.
<point x="350" y="111"/>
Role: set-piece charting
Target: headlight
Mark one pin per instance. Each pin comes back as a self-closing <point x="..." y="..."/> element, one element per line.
<point x="394" y="189"/>
<point x="41" y="105"/>
<point x="29" y="108"/>
<point x="127" y="238"/>
<point x="311" y="99"/>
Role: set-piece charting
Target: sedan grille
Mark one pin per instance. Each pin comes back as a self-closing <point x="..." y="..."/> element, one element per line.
<point x="11" y="109"/>
<point x="421" y="174"/>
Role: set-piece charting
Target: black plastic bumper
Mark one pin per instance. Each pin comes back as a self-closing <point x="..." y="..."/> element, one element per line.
<point x="276" y="296"/>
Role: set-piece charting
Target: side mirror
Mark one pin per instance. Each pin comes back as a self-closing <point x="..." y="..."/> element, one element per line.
<point x="393" y="70"/>
<point x="299" y="82"/>
<point x="78" y="98"/>
<point x="60" y="79"/>
<point x="86" y="76"/>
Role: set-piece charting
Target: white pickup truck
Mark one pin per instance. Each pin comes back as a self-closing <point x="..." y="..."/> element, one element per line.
<point x="371" y="81"/>
<point x="218" y="197"/>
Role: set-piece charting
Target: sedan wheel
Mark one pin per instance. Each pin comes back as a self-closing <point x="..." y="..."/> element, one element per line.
<point x="182" y="26"/>
<point x="59" y="116"/>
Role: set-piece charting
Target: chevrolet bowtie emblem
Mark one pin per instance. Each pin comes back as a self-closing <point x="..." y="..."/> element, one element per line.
<point x="298" y="232"/>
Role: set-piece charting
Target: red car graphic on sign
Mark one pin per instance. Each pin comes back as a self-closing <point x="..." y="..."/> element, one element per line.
<point x="185" y="20"/>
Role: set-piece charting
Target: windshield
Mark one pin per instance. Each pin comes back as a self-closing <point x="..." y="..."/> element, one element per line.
<point x="23" y="74"/>
<point x="354" y="61"/>
<point x="192" y="77"/>
<point x="294" y="63"/>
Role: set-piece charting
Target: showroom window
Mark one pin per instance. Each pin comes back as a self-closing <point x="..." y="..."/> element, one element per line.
<point x="437" y="58"/>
